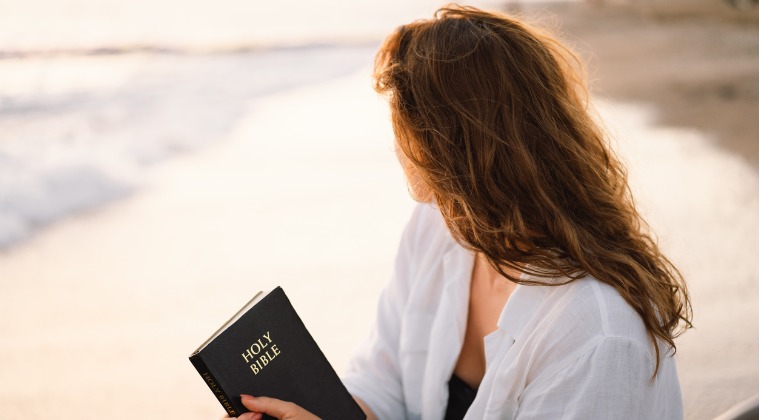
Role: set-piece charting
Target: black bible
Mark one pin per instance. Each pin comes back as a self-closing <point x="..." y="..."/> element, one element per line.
<point x="266" y="350"/>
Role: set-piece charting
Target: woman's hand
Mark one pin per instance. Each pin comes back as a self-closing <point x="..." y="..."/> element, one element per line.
<point x="282" y="410"/>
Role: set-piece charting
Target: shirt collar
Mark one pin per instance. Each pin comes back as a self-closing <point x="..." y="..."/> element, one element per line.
<point x="521" y="307"/>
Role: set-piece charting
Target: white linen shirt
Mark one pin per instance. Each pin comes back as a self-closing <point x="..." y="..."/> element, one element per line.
<point x="576" y="351"/>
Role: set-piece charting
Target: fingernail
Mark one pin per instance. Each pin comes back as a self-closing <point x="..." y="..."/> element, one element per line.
<point x="246" y="397"/>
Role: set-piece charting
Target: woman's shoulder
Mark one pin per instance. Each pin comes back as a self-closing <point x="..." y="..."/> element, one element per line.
<point x="426" y="222"/>
<point x="587" y="311"/>
<point x="583" y="323"/>
<point x="426" y="232"/>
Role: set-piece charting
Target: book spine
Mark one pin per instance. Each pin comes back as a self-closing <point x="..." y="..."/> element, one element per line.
<point x="213" y="384"/>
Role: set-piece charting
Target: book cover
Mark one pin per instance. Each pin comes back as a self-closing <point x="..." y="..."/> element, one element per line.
<point x="266" y="350"/>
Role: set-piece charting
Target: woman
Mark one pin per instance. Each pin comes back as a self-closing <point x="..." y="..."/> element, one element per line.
<point x="524" y="285"/>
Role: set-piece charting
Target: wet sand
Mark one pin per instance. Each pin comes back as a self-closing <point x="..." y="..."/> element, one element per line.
<point x="695" y="61"/>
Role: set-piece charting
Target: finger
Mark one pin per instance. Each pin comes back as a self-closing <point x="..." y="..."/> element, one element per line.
<point x="272" y="406"/>
<point x="250" y="416"/>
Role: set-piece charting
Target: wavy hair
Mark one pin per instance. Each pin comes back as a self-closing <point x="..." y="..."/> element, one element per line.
<point x="492" y="116"/>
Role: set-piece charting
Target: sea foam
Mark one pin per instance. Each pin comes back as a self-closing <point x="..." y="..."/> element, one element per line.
<point x="78" y="132"/>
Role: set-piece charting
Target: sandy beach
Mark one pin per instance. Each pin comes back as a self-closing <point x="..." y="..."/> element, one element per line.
<point x="297" y="185"/>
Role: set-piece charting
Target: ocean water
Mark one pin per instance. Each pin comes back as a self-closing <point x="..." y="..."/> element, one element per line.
<point x="94" y="93"/>
<point x="78" y="132"/>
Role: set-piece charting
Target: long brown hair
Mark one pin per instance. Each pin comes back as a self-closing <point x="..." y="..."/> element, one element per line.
<point x="493" y="117"/>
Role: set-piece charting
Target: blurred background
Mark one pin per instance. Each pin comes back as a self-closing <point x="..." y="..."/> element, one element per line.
<point x="161" y="161"/>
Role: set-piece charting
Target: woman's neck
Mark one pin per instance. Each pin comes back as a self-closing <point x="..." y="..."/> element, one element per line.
<point x="491" y="278"/>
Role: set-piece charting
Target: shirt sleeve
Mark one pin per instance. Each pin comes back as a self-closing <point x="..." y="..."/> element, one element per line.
<point x="373" y="374"/>
<point x="612" y="380"/>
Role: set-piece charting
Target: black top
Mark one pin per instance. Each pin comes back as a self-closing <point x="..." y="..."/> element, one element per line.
<point x="460" y="398"/>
